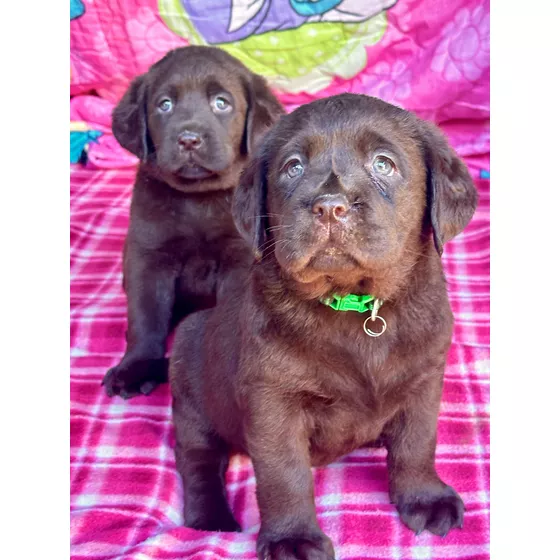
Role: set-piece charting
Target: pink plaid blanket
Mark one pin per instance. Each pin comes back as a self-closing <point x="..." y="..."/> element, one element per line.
<point x="126" y="497"/>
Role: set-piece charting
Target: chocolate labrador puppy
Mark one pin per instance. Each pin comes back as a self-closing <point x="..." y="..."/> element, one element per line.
<point x="338" y="335"/>
<point x="192" y="119"/>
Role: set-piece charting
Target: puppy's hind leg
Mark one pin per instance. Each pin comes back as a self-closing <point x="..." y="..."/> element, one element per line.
<point x="202" y="460"/>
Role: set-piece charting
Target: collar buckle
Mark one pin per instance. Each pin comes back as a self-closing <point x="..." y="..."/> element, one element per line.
<point x="350" y="302"/>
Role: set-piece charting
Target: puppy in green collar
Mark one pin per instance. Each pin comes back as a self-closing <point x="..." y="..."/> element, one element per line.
<point x="338" y="334"/>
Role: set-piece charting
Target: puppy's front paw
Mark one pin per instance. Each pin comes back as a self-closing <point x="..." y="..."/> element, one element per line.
<point x="135" y="377"/>
<point x="311" y="547"/>
<point x="436" y="510"/>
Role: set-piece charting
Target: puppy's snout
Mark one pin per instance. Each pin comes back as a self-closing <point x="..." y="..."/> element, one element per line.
<point x="189" y="140"/>
<point x="330" y="208"/>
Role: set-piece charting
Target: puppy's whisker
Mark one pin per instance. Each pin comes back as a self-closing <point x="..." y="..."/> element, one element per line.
<point x="267" y="216"/>
<point x="274" y="228"/>
<point x="416" y="253"/>
<point x="269" y="243"/>
<point x="272" y="243"/>
<point x="296" y="240"/>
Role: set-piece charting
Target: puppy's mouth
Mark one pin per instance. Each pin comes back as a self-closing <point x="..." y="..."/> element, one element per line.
<point x="324" y="270"/>
<point x="190" y="168"/>
<point x="192" y="171"/>
<point x="332" y="259"/>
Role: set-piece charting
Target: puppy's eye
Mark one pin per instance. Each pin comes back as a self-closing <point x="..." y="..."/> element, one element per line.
<point x="221" y="104"/>
<point x="165" y="105"/>
<point x="383" y="166"/>
<point x="294" y="168"/>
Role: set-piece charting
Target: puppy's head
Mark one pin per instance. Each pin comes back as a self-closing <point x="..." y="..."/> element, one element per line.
<point x="194" y="117"/>
<point x="346" y="192"/>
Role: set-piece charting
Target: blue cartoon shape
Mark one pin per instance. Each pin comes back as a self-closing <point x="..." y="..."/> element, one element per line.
<point x="226" y="21"/>
<point x="77" y="9"/>
<point x="309" y="8"/>
<point x="484" y="174"/>
<point x="80" y="140"/>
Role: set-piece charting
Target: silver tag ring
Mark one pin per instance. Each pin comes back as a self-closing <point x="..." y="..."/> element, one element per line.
<point x="369" y="332"/>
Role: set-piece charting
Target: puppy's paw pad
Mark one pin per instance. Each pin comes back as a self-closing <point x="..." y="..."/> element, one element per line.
<point x="435" y="511"/>
<point x="120" y="381"/>
<point x="112" y="382"/>
<point x="147" y="387"/>
<point x="296" y="548"/>
<point x="135" y="377"/>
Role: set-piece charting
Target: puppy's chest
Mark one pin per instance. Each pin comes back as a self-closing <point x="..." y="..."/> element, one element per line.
<point x="348" y="414"/>
<point x="203" y="225"/>
<point x="356" y="395"/>
<point x="181" y="226"/>
<point x="341" y="428"/>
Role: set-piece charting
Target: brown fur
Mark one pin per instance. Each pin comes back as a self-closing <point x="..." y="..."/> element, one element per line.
<point x="276" y="373"/>
<point x="182" y="247"/>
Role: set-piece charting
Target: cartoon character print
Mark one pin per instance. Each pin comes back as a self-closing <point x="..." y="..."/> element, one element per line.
<point x="297" y="44"/>
<point x="81" y="135"/>
<point x="77" y="9"/>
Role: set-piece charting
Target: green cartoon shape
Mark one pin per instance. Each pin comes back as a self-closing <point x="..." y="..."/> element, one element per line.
<point x="315" y="42"/>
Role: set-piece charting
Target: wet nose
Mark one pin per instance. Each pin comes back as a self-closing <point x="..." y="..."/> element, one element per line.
<point x="189" y="140"/>
<point x="330" y="208"/>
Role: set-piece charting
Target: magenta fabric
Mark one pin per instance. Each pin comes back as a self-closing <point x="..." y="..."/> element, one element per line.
<point x="126" y="498"/>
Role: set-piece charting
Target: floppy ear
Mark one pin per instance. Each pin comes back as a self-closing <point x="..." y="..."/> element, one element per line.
<point x="263" y="111"/>
<point x="249" y="205"/>
<point x="452" y="196"/>
<point x="130" y="123"/>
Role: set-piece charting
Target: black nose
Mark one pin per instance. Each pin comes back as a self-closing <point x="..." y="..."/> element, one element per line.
<point x="330" y="207"/>
<point x="189" y="140"/>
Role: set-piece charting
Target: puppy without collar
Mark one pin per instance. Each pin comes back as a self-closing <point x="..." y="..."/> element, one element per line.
<point x="193" y="119"/>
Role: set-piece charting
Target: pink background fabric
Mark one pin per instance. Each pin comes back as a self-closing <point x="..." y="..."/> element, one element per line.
<point x="433" y="59"/>
<point x="126" y="498"/>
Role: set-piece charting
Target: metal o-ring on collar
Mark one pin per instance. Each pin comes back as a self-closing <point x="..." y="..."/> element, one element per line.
<point x="369" y="332"/>
<point x="374" y="317"/>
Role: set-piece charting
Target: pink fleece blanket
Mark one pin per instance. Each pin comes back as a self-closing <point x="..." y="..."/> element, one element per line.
<point x="126" y="497"/>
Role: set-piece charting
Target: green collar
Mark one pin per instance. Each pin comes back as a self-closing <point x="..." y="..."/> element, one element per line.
<point x="352" y="302"/>
<point x="361" y="304"/>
